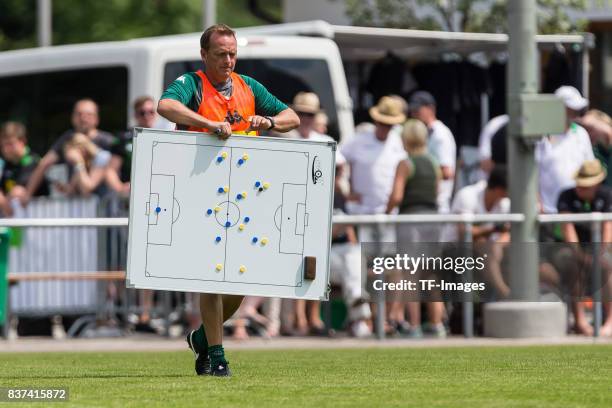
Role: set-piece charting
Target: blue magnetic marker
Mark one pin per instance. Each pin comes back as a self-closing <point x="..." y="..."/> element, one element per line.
<point x="254" y="240"/>
<point x="228" y="224"/>
<point x="209" y="211"/>
<point x="218" y="239"/>
<point x="158" y="210"/>
<point x="247" y="219"/>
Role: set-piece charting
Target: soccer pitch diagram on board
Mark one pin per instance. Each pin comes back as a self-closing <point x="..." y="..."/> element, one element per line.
<point x="247" y="216"/>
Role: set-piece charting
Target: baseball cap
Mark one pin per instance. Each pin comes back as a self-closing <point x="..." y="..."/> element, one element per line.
<point x="571" y="98"/>
<point x="421" y="98"/>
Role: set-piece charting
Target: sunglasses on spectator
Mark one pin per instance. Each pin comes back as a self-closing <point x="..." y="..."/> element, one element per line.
<point x="145" y="112"/>
<point x="306" y="114"/>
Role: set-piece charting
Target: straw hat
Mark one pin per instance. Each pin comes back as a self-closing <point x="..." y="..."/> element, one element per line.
<point x="306" y="102"/>
<point x="388" y="111"/>
<point x="590" y="174"/>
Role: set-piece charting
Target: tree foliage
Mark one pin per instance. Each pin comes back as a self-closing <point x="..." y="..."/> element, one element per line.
<point x="76" y="21"/>
<point x="459" y="15"/>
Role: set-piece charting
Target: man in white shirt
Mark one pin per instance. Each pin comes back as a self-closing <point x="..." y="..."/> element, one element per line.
<point x="488" y="197"/>
<point x="560" y="156"/>
<point x="373" y="155"/>
<point x="484" y="197"/>
<point x="441" y="144"/>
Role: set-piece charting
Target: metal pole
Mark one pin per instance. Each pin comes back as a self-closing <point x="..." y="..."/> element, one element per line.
<point x="209" y="12"/>
<point x="597" y="312"/>
<point x="522" y="79"/>
<point x="167" y="311"/>
<point x="43" y="22"/>
<point x="380" y="295"/>
<point x="468" y="306"/>
<point x="7" y="317"/>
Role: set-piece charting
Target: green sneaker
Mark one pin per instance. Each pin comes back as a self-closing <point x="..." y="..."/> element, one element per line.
<point x="221" y="370"/>
<point x="202" y="360"/>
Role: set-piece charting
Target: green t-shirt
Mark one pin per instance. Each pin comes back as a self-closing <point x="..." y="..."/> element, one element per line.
<point x="187" y="89"/>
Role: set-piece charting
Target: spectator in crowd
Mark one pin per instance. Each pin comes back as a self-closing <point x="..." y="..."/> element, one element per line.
<point x="415" y="192"/>
<point x="488" y="197"/>
<point x="373" y="155"/>
<point x="89" y="165"/>
<point x="248" y="316"/>
<point x="19" y="163"/>
<point x="560" y="156"/>
<point x="441" y="144"/>
<point x="599" y="126"/>
<point x="321" y="121"/>
<point x="118" y="173"/>
<point x="345" y="262"/>
<point x="416" y="179"/>
<point x="118" y="180"/>
<point x="85" y="120"/>
<point x="575" y="262"/>
<point x="307" y="106"/>
<point x="486" y="145"/>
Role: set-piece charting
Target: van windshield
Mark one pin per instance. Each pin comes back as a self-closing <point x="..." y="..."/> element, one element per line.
<point x="283" y="77"/>
<point x="43" y="102"/>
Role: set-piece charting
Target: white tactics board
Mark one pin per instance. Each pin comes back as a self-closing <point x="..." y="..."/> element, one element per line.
<point x="247" y="216"/>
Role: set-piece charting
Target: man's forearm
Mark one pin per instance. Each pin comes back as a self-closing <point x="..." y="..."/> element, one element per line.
<point x="35" y="179"/>
<point x="112" y="174"/>
<point x="286" y="120"/>
<point x="178" y="113"/>
<point x="5" y="206"/>
<point x="85" y="182"/>
<point x="113" y="181"/>
<point x="482" y="231"/>
<point x="447" y="172"/>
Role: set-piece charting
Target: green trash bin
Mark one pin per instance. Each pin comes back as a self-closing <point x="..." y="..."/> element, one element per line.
<point x="4" y="254"/>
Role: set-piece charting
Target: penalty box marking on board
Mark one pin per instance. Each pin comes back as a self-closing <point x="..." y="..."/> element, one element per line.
<point x="150" y="207"/>
<point x="293" y="219"/>
<point x="166" y="211"/>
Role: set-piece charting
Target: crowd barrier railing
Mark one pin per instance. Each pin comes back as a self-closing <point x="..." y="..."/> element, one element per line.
<point x="468" y="220"/>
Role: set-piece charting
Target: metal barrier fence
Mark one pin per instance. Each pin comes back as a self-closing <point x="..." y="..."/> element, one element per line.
<point x="67" y="271"/>
<point x="54" y="250"/>
<point x="117" y="257"/>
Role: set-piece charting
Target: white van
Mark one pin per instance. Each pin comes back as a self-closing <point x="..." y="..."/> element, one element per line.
<point x="39" y="86"/>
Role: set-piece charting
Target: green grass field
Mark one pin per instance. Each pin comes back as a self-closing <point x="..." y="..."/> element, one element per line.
<point x="564" y="376"/>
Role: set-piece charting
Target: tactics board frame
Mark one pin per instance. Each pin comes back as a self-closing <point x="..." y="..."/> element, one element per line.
<point x="300" y="289"/>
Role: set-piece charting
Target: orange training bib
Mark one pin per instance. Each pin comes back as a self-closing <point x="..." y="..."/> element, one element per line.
<point x="236" y="109"/>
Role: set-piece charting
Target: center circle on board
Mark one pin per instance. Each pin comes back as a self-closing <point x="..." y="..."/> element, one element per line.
<point x="229" y="212"/>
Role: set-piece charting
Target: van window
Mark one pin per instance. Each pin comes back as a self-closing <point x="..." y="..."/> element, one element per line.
<point x="282" y="77"/>
<point x="43" y="101"/>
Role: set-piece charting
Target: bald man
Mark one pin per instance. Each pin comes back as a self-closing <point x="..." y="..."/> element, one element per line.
<point x="85" y="119"/>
